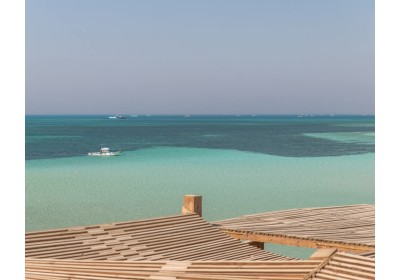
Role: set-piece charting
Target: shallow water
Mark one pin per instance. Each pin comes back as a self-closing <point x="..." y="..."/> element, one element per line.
<point x="232" y="183"/>
<point x="367" y="138"/>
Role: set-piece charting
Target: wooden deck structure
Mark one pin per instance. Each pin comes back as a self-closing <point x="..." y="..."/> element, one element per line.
<point x="347" y="228"/>
<point x="188" y="248"/>
<point x="181" y="237"/>
<point x="334" y="266"/>
<point x="67" y="269"/>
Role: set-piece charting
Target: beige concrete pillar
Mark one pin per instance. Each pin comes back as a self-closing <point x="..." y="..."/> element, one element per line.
<point x="192" y="204"/>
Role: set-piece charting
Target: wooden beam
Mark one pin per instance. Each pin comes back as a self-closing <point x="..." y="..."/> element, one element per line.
<point x="324" y="262"/>
<point x="192" y="204"/>
<point x="299" y="242"/>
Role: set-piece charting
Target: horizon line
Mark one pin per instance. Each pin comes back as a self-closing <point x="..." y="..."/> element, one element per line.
<point x="205" y="114"/>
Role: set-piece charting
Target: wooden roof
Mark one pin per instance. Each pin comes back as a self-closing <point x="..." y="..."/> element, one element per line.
<point x="344" y="266"/>
<point x="181" y="238"/>
<point x="348" y="228"/>
<point x="48" y="269"/>
<point x="336" y="266"/>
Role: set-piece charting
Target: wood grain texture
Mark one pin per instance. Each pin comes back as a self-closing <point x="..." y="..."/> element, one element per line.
<point x="339" y="266"/>
<point x="182" y="237"/>
<point x="348" y="228"/>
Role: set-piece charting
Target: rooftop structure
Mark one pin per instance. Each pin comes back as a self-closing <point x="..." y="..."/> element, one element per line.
<point x="348" y="228"/>
<point x="187" y="247"/>
<point x="331" y="265"/>
<point x="181" y="237"/>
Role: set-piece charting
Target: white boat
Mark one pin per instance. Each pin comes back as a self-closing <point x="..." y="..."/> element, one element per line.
<point x="117" y="117"/>
<point x="105" y="152"/>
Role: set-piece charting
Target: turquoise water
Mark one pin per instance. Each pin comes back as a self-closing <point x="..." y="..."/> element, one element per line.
<point x="346" y="137"/>
<point x="151" y="182"/>
<point x="64" y="189"/>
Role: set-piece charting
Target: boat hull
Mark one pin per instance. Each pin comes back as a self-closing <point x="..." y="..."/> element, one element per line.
<point x="98" y="154"/>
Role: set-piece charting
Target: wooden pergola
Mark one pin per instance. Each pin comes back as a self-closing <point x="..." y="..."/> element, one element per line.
<point x="180" y="237"/>
<point x="187" y="247"/>
<point x="348" y="228"/>
<point x="322" y="265"/>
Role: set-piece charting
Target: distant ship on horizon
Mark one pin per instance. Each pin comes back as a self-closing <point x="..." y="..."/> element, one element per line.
<point x="117" y="117"/>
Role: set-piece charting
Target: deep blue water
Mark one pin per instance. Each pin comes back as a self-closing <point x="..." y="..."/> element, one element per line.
<point x="288" y="136"/>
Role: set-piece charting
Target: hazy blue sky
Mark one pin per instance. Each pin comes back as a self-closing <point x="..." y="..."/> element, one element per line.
<point x="166" y="57"/>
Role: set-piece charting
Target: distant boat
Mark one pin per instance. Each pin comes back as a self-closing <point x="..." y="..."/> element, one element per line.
<point x="117" y="117"/>
<point x="106" y="152"/>
<point x="187" y="116"/>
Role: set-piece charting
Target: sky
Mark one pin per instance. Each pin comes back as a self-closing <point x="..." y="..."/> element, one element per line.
<point x="199" y="57"/>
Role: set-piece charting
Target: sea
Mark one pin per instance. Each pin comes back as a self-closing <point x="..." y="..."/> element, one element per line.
<point x="240" y="164"/>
